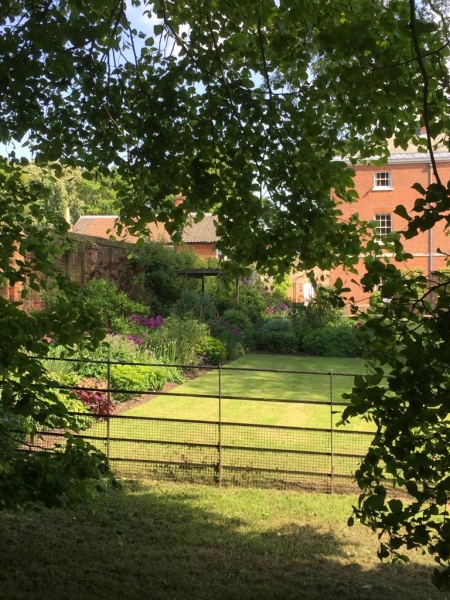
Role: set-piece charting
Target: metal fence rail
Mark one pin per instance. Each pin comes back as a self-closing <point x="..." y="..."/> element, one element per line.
<point x="226" y="451"/>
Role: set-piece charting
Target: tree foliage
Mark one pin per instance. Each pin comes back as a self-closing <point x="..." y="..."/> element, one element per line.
<point x="244" y="106"/>
<point x="30" y="249"/>
<point x="93" y="196"/>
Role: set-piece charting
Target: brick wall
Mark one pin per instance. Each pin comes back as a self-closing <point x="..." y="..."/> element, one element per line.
<point x="372" y="202"/>
<point x="90" y="258"/>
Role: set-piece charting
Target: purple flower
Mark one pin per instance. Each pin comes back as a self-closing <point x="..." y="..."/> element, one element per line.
<point x="130" y="338"/>
<point x="138" y="341"/>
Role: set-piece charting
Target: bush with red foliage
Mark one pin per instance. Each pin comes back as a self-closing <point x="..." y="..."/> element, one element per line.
<point x="95" y="401"/>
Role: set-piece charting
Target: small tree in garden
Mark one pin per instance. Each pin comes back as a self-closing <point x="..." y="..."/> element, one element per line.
<point x="160" y="264"/>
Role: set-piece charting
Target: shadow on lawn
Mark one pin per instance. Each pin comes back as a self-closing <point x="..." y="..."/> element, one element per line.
<point x="171" y="549"/>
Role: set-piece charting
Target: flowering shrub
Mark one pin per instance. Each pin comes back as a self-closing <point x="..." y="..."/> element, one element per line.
<point x="185" y="332"/>
<point x="220" y="327"/>
<point x="230" y="335"/>
<point x="279" y="310"/>
<point x="115" y="348"/>
<point x="150" y="322"/>
<point x="95" y="401"/>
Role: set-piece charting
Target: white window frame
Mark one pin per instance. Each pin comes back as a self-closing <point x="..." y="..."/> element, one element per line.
<point x="220" y="256"/>
<point x="308" y="293"/>
<point x="382" y="181"/>
<point x="384" y="222"/>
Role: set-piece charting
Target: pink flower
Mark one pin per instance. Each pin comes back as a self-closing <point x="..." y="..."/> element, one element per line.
<point x="138" y="340"/>
<point x="130" y="338"/>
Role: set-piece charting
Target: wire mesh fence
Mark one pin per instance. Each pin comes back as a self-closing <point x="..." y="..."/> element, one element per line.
<point x="208" y="439"/>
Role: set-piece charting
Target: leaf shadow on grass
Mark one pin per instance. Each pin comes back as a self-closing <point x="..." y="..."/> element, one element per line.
<point x="173" y="547"/>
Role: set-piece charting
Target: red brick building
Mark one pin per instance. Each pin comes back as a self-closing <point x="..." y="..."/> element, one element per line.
<point x="380" y="190"/>
<point x="200" y="237"/>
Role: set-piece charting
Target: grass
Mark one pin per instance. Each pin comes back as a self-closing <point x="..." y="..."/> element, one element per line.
<point x="244" y="446"/>
<point x="254" y="384"/>
<point x="185" y="542"/>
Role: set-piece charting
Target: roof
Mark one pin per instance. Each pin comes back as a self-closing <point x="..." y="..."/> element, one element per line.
<point x="202" y="232"/>
<point x="418" y="157"/>
<point x="398" y="158"/>
<point x="104" y="226"/>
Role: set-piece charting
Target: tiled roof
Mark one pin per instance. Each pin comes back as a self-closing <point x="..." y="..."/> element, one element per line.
<point x="202" y="232"/>
<point x="104" y="226"/>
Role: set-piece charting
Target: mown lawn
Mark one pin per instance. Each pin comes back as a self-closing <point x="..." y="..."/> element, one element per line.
<point x="185" y="542"/>
<point x="255" y="384"/>
<point x="281" y="447"/>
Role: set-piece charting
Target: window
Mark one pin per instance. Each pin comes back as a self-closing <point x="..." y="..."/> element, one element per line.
<point x="308" y="293"/>
<point x="384" y="224"/>
<point x="382" y="180"/>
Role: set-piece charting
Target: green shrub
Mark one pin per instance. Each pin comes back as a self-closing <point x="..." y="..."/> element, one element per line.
<point x="333" y="341"/>
<point x="160" y="264"/>
<point x="252" y="301"/>
<point x="74" y="405"/>
<point x="236" y="349"/>
<point x="230" y="335"/>
<point x="280" y="341"/>
<point x="213" y="351"/>
<point x="319" y="313"/>
<point x="112" y="305"/>
<point x="63" y="402"/>
<point x="134" y="378"/>
<point x="225" y="303"/>
<point x="238" y="318"/>
<point x="114" y="348"/>
<point x="186" y="333"/>
<point x="193" y="304"/>
<point x="14" y="429"/>
<point x="58" y="366"/>
<point x="276" y="324"/>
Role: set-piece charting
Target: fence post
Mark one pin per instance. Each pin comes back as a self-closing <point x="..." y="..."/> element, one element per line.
<point x="108" y="396"/>
<point x="219" y="441"/>
<point x="331" y="435"/>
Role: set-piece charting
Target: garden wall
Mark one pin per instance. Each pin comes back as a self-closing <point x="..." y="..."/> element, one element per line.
<point x="90" y="257"/>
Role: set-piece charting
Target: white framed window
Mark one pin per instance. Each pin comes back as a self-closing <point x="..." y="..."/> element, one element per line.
<point x="308" y="293"/>
<point x="384" y="224"/>
<point x="382" y="180"/>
